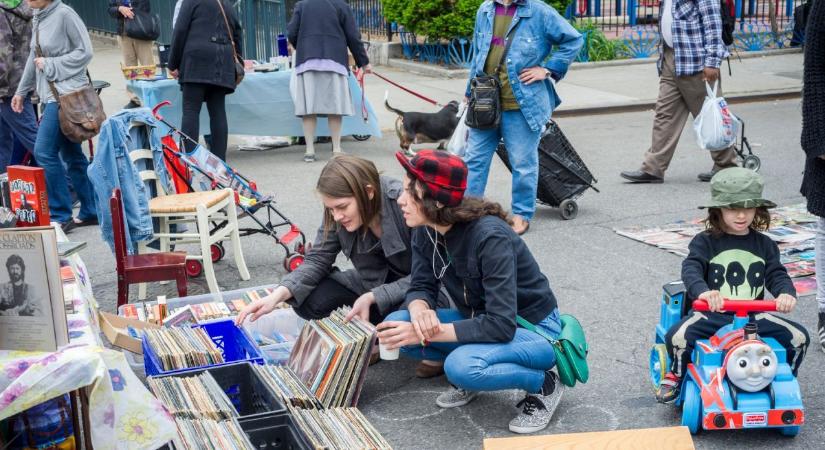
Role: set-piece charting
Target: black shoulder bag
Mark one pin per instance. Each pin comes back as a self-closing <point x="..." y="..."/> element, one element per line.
<point x="484" y="108"/>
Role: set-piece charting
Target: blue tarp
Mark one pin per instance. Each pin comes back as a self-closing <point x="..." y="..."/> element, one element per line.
<point x="260" y="106"/>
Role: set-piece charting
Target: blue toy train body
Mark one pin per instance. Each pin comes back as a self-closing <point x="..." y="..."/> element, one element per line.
<point x="710" y="398"/>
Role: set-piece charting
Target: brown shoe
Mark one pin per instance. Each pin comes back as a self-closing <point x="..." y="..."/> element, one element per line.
<point x="520" y="225"/>
<point x="424" y="370"/>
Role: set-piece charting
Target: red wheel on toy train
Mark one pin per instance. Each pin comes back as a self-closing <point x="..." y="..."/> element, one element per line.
<point x="194" y="268"/>
<point x="217" y="251"/>
<point x="293" y="261"/>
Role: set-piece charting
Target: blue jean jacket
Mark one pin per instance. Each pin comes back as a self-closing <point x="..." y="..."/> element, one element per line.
<point x="541" y="28"/>
<point x="128" y="130"/>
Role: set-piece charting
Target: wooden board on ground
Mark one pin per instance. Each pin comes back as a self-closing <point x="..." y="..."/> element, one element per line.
<point x="670" y="438"/>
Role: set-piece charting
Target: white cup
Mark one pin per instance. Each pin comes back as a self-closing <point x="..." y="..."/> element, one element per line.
<point x="387" y="354"/>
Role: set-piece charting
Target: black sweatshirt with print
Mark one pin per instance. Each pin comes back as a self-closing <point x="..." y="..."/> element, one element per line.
<point x="739" y="267"/>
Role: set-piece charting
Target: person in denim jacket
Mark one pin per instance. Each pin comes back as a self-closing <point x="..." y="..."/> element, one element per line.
<point x="528" y="94"/>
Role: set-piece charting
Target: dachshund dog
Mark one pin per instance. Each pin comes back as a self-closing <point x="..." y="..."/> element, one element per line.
<point x="419" y="128"/>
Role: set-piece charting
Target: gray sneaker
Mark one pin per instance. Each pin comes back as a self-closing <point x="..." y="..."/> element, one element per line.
<point x="455" y="397"/>
<point x="537" y="409"/>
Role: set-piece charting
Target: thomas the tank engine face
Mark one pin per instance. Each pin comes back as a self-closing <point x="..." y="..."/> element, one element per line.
<point x="751" y="366"/>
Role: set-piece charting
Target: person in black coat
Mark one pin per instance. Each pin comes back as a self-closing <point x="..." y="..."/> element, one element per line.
<point x="321" y="31"/>
<point x="136" y="52"/>
<point x="813" y="142"/>
<point x="202" y="58"/>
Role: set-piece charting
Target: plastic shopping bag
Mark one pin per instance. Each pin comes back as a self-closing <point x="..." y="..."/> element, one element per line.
<point x="458" y="142"/>
<point x="293" y="80"/>
<point x="716" y="127"/>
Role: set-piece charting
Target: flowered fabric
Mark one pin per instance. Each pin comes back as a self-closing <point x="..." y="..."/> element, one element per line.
<point x="123" y="414"/>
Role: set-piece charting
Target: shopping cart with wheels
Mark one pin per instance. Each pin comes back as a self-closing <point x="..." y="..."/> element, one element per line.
<point x="563" y="176"/>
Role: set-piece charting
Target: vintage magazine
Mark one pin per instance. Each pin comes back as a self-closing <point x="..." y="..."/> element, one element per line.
<point x="32" y="312"/>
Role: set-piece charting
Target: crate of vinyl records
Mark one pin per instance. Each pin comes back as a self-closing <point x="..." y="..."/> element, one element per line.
<point x="180" y="349"/>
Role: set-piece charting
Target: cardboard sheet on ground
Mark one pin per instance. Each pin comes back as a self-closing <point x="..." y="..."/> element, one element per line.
<point x="260" y="106"/>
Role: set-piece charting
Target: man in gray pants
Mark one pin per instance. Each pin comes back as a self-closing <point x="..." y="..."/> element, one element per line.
<point x="691" y="51"/>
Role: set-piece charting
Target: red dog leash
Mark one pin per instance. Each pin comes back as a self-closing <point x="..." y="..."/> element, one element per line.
<point x="428" y="100"/>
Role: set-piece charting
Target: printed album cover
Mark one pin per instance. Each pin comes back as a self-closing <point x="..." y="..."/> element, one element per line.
<point x="32" y="313"/>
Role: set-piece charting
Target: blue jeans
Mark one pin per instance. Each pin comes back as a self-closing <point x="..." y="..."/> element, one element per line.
<point x="15" y="127"/>
<point x="518" y="364"/>
<point x="522" y="149"/>
<point x="50" y="146"/>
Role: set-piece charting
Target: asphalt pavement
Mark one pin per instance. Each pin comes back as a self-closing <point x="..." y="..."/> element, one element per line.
<point x="611" y="283"/>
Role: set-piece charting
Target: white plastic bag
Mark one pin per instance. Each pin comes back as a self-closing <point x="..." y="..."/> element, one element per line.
<point x="293" y="80"/>
<point x="716" y="127"/>
<point x="458" y="142"/>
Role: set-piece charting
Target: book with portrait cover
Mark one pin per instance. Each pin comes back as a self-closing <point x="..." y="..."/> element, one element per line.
<point x="32" y="313"/>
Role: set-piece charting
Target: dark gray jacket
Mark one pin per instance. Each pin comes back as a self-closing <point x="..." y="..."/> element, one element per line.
<point x="324" y="29"/>
<point x="201" y="48"/>
<point x="367" y="276"/>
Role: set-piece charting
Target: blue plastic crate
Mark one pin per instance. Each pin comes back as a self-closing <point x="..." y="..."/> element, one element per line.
<point x="235" y="346"/>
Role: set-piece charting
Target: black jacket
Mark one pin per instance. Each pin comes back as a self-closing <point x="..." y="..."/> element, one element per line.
<point x="137" y="5"/>
<point x="491" y="277"/>
<point x="201" y="49"/>
<point x="813" y="110"/>
<point x="324" y="29"/>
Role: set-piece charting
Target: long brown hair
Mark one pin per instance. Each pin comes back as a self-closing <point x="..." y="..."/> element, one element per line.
<point x="470" y="208"/>
<point x="716" y="225"/>
<point x="348" y="176"/>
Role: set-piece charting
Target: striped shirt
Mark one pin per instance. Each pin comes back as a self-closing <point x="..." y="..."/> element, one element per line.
<point x="501" y="24"/>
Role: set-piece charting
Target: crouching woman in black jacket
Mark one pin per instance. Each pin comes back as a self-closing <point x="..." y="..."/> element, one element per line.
<point x="202" y="58"/>
<point x="467" y="245"/>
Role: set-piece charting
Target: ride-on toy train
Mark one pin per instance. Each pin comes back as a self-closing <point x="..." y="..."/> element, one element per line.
<point x="736" y="379"/>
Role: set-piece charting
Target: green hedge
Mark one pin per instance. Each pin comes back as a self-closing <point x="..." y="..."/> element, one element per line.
<point x="441" y="19"/>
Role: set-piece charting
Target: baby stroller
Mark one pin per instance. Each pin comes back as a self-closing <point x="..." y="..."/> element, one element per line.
<point x="563" y="177"/>
<point x="200" y="170"/>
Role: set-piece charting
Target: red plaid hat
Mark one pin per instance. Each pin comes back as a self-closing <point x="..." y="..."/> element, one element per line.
<point x="444" y="174"/>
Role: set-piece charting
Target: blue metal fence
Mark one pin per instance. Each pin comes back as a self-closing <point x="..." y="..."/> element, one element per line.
<point x="262" y="21"/>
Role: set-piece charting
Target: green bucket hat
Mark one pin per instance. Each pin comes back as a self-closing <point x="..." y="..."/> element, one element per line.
<point x="737" y="187"/>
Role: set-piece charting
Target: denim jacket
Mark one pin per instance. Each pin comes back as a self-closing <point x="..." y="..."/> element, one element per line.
<point x="112" y="169"/>
<point x="541" y="30"/>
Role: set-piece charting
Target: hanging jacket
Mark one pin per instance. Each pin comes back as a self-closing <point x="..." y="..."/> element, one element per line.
<point x="128" y="130"/>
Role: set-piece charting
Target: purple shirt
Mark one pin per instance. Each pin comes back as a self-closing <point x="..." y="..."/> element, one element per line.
<point x="321" y="65"/>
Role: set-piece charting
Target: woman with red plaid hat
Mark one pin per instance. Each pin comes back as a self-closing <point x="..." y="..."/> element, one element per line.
<point x="467" y="246"/>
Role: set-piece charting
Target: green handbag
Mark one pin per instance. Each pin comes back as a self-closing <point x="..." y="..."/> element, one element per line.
<point x="570" y="348"/>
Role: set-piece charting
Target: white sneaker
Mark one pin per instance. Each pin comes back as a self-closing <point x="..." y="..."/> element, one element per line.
<point x="455" y="397"/>
<point x="537" y="409"/>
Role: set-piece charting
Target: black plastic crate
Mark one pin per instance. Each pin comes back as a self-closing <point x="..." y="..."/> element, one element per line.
<point x="248" y="393"/>
<point x="275" y="433"/>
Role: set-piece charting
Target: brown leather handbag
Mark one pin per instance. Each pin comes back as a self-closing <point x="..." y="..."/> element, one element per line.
<point x="81" y="112"/>
<point x="239" y="66"/>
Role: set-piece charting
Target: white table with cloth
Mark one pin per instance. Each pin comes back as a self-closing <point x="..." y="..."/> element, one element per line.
<point x="260" y="106"/>
<point x="123" y="414"/>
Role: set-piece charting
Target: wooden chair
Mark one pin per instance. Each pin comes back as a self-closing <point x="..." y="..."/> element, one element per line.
<point x="200" y="209"/>
<point x="132" y="269"/>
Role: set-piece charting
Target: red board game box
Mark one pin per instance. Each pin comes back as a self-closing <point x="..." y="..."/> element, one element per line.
<point x="27" y="192"/>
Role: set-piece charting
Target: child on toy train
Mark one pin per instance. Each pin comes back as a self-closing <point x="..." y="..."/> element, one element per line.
<point x="733" y="260"/>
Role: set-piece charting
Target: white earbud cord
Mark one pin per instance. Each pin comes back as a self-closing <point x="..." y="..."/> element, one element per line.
<point x="439" y="274"/>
